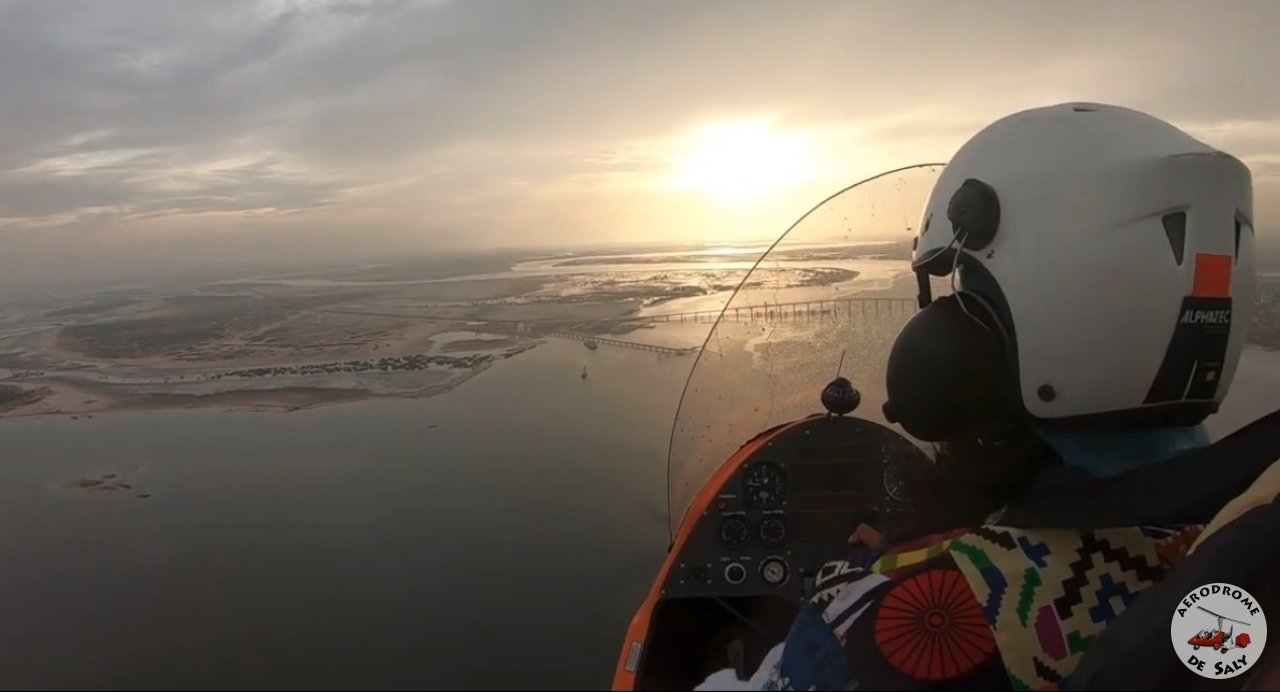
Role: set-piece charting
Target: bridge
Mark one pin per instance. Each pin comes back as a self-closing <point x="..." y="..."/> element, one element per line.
<point x="637" y="345"/>
<point x="841" y="308"/>
<point x="796" y="311"/>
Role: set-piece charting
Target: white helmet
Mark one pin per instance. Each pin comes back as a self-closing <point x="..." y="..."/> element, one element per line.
<point x="1108" y="251"/>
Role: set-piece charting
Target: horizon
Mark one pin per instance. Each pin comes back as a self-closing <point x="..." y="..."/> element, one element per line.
<point x="1267" y="251"/>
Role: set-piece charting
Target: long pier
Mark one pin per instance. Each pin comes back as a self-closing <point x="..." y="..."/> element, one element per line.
<point x="842" y="308"/>
<point x="796" y="311"/>
<point x="637" y="345"/>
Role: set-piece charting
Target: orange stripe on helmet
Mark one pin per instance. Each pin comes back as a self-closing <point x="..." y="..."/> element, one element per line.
<point x="1213" y="276"/>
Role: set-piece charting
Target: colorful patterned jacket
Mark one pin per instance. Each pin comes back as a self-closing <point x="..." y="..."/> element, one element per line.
<point x="987" y="608"/>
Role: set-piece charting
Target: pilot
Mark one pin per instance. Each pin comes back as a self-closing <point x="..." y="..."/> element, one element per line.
<point x="1102" y="269"/>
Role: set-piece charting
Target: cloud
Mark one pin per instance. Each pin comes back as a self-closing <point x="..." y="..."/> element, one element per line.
<point x="394" y="122"/>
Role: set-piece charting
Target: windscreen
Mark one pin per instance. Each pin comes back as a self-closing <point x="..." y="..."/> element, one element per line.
<point x="828" y="298"/>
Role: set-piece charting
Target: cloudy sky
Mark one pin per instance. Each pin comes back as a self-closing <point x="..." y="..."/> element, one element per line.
<point x="136" y="133"/>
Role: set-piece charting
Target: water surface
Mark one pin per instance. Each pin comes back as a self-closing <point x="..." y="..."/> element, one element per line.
<point x="500" y="535"/>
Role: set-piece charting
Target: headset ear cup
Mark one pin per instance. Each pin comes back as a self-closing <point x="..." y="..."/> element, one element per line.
<point x="974" y="212"/>
<point x="946" y="376"/>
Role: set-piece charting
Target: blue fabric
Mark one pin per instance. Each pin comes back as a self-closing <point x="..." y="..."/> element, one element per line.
<point x="863" y="557"/>
<point x="813" y="658"/>
<point x="1105" y="454"/>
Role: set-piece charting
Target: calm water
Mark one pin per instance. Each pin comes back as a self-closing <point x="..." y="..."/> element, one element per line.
<point x="351" y="546"/>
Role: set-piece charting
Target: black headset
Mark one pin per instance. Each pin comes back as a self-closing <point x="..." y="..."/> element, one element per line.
<point x="974" y="213"/>
<point x="949" y="374"/>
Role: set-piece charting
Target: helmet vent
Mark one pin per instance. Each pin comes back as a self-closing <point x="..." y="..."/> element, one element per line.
<point x="1175" y="228"/>
<point x="1237" y="238"/>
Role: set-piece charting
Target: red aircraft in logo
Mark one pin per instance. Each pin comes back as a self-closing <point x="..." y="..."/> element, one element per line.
<point x="1218" y="639"/>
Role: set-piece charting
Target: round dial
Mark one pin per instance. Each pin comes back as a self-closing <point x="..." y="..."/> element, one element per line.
<point x="734" y="533"/>
<point x="735" y="573"/>
<point x="774" y="571"/>
<point x="773" y="532"/>
<point x="766" y="485"/>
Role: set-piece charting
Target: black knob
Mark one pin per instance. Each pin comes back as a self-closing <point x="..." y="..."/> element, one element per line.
<point x="840" y="397"/>
<point x="735" y="573"/>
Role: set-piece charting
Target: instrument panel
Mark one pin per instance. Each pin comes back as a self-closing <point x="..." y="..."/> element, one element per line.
<point x="790" y="507"/>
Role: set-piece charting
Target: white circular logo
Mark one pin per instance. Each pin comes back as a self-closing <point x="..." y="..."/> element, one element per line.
<point x="1218" y="631"/>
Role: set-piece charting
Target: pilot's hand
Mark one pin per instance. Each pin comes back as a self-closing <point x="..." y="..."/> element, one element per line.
<point x="865" y="535"/>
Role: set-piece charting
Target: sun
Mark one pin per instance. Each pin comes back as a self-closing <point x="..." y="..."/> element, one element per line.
<point x="743" y="161"/>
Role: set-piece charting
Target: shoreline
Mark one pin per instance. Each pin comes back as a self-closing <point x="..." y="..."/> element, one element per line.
<point x="68" y="397"/>
<point x="75" y="399"/>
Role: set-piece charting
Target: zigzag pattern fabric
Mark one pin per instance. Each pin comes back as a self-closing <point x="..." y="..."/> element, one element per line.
<point x="1048" y="594"/>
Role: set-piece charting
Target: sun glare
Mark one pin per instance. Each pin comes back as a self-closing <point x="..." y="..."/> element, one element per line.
<point x="742" y="161"/>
